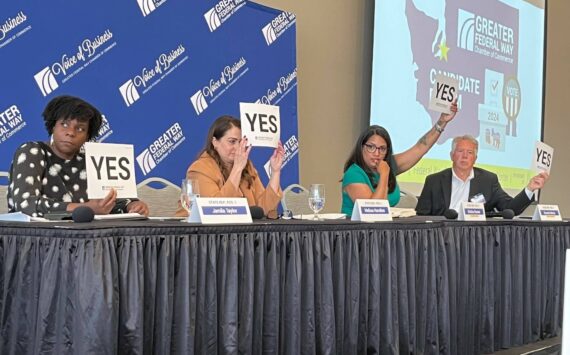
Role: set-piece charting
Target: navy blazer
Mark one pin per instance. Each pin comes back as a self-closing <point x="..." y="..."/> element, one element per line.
<point x="436" y="194"/>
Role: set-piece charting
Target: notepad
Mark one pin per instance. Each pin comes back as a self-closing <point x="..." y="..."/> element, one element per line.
<point x="119" y="216"/>
<point x="20" y="217"/>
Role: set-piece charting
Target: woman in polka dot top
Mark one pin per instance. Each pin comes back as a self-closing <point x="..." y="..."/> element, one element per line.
<point x="51" y="177"/>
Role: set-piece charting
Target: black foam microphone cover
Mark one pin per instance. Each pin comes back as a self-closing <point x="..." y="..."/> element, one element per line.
<point x="256" y="212"/>
<point x="508" y="213"/>
<point x="82" y="214"/>
<point x="450" y="214"/>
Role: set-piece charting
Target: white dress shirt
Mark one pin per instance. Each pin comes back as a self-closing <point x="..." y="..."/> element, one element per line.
<point x="460" y="190"/>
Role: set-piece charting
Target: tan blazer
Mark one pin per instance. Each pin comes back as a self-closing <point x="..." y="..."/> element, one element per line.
<point x="212" y="184"/>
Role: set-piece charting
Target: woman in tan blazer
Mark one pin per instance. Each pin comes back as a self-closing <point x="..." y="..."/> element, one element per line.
<point x="223" y="168"/>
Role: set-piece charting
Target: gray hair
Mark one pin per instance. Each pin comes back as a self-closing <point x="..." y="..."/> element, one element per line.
<point x="466" y="137"/>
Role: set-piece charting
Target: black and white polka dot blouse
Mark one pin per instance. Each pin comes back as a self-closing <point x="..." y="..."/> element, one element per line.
<point x="41" y="182"/>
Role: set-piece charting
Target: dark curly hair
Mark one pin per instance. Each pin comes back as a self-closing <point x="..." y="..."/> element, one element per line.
<point x="357" y="158"/>
<point x="217" y="130"/>
<point x="69" y="107"/>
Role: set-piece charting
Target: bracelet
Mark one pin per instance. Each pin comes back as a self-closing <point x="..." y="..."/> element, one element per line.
<point x="438" y="128"/>
<point x="127" y="201"/>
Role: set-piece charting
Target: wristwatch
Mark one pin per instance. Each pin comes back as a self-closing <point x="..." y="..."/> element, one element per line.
<point x="438" y="127"/>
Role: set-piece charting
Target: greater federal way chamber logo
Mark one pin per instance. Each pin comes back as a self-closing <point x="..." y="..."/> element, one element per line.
<point x="220" y="13"/>
<point x="216" y="87"/>
<point x="277" y="26"/>
<point x="149" y="77"/>
<point x="46" y="78"/>
<point x="129" y="92"/>
<point x="11" y="121"/>
<point x="485" y="36"/>
<point x="465" y="29"/>
<point x="199" y="102"/>
<point x="148" y="6"/>
<point x="46" y="81"/>
<point x="104" y="131"/>
<point x="160" y="148"/>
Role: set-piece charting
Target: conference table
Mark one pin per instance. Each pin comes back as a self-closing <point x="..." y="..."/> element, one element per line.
<point x="415" y="285"/>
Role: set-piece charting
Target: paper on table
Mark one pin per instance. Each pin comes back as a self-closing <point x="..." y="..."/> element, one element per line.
<point x="20" y="217"/>
<point x="129" y="216"/>
<point x="402" y="212"/>
<point x="167" y="218"/>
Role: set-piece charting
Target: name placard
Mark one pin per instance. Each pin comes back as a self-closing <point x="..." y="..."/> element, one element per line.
<point x="472" y="211"/>
<point x="444" y="91"/>
<point x="110" y="166"/>
<point x="547" y="213"/>
<point x="260" y="123"/>
<point x="371" y="210"/>
<point x="209" y="210"/>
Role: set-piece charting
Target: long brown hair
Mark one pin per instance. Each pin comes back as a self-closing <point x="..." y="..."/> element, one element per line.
<point x="217" y="130"/>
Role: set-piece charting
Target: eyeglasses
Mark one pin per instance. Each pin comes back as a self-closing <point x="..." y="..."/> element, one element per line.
<point x="371" y="148"/>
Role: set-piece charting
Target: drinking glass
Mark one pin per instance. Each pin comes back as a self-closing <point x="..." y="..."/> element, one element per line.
<point x="189" y="192"/>
<point x="316" y="199"/>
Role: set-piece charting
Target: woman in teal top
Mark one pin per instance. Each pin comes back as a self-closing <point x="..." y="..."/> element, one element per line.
<point x="370" y="171"/>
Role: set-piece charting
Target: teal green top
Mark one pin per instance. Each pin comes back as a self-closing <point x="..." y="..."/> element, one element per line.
<point x="356" y="175"/>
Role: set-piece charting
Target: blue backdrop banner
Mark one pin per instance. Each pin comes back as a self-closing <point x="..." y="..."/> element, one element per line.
<point x="159" y="71"/>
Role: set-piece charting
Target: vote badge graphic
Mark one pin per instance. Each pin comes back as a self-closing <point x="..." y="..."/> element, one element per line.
<point x="512" y="103"/>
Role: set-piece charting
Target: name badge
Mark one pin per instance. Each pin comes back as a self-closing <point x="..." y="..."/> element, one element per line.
<point x="479" y="198"/>
<point x="371" y="210"/>
<point x="219" y="211"/>
<point x="547" y="213"/>
<point x="471" y="211"/>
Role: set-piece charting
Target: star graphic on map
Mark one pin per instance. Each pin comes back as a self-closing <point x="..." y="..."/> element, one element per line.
<point x="443" y="49"/>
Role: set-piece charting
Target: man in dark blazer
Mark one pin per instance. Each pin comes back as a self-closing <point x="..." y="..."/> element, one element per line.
<point x="463" y="182"/>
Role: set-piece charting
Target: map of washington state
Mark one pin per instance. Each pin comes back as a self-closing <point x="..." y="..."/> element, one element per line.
<point x="463" y="39"/>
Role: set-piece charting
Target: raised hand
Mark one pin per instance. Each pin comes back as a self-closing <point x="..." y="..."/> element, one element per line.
<point x="538" y="181"/>
<point x="276" y="160"/>
<point x="446" y="117"/>
<point x="242" y="155"/>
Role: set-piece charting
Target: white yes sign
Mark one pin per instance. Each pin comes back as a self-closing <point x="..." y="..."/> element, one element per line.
<point x="444" y="91"/>
<point x="261" y="124"/>
<point x="110" y="166"/>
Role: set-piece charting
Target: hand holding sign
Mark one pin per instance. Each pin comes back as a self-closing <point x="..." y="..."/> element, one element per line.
<point x="445" y="91"/>
<point x="104" y="205"/>
<point x="446" y="117"/>
<point x="260" y="124"/>
<point x="537" y="182"/>
<point x="276" y="160"/>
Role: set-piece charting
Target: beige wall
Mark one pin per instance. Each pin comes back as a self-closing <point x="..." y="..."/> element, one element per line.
<point x="557" y="99"/>
<point x="334" y="40"/>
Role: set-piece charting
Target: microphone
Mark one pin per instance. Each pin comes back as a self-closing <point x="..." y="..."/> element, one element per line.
<point x="450" y="214"/>
<point x="256" y="212"/>
<point x="82" y="214"/>
<point x="508" y="213"/>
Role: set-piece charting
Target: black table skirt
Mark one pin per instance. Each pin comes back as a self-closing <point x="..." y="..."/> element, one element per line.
<point x="280" y="288"/>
